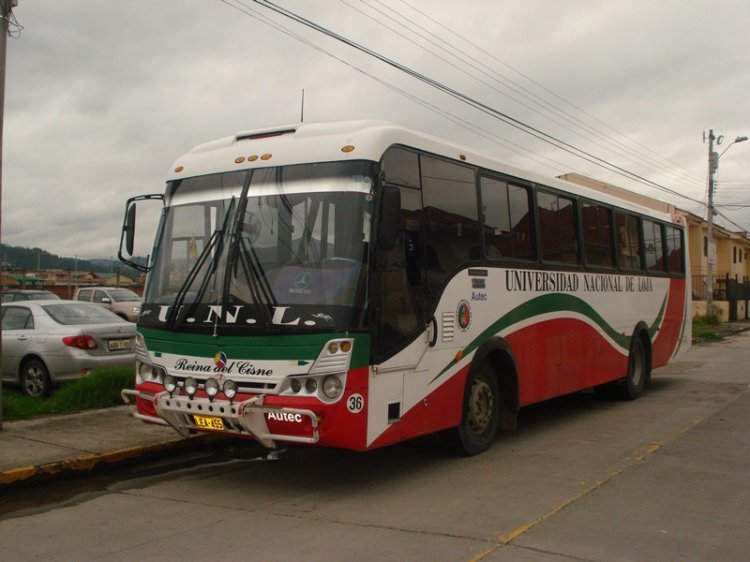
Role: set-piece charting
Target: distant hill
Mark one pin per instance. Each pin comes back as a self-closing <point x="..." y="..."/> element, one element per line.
<point x="17" y="258"/>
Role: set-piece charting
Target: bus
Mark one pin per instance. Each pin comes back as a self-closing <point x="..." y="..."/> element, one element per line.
<point x="358" y="284"/>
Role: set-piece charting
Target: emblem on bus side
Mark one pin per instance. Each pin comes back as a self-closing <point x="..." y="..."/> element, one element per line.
<point x="463" y="315"/>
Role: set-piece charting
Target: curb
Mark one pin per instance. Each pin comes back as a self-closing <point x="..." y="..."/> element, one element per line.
<point x="94" y="462"/>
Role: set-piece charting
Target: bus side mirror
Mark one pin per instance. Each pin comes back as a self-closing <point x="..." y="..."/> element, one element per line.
<point x="129" y="229"/>
<point x="127" y="236"/>
<point x="390" y="217"/>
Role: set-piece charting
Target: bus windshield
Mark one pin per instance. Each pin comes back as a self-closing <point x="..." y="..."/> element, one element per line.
<point x="281" y="248"/>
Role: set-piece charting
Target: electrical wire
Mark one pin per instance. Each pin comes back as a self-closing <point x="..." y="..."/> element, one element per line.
<point x="472" y="102"/>
<point x="468" y="61"/>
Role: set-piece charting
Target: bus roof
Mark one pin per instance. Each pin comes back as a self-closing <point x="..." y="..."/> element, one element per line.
<point x="354" y="140"/>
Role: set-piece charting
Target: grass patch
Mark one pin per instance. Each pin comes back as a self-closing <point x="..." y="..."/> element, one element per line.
<point x="101" y="389"/>
<point x="706" y="327"/>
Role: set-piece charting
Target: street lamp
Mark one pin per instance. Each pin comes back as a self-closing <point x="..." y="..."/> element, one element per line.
<point x="713" y="166"/>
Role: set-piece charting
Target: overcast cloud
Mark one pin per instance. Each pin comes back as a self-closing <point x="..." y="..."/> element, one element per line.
<point x="102" y="97"/>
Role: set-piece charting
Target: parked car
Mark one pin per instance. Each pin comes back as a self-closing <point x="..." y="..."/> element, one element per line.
<point x="28" y="295"/>
<point x="123" y="302"/>
<point x="47" y="342"/>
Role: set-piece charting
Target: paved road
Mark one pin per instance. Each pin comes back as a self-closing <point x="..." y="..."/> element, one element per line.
<point x="662" y="478"/>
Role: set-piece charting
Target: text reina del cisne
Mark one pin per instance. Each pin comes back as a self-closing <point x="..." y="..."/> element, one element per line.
<point x="560" y="282"/>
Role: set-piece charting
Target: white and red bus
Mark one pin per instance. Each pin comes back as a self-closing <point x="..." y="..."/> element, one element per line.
<point x="358" y="284"/>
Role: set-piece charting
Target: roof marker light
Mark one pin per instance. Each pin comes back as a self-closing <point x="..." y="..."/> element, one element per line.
<point x="178" y="169"/>
<point x="348" y="148"/>
<point x="266" y="156"/>
<point x="239" y="160"/>
<point x="252" y="158"/>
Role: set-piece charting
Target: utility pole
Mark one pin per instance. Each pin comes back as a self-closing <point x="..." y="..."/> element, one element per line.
<point x="6" y="6"/>
<point x="713" y="166"/>
<point x="713" y="161"/>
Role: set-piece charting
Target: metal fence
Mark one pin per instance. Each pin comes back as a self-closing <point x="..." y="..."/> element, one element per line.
<point x="732" y="289"/>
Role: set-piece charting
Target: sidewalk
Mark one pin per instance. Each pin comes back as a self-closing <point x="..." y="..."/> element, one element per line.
<point x="85" y="441"/>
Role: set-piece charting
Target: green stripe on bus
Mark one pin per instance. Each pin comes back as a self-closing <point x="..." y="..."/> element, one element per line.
<point x="277" y="347"/>
<point x="551" y="303"/>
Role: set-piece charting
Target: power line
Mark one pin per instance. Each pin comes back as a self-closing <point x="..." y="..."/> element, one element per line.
<point x="647" y="154"/>
<point x="493" y="112"/>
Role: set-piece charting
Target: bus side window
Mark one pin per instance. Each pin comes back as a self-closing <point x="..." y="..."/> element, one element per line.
<point x="557" y="228"/>
<point x="451" y="221"/>
<point x="507" y="220"/>
<point x="596" y="224"/>
<point x="654" y="244"/>
<point x="675" y="257"/>
<point x="628" y="242"/>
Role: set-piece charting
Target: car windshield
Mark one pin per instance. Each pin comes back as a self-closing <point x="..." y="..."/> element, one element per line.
<point x="43" y="296"/>
<point x="77" y="313"/>
<point x="278" y="247"/>
<point x="123" y="295"/>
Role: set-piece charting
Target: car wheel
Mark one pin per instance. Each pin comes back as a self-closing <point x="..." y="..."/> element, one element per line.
<point x="481" y="412"/>
<point x="35" y="379"/>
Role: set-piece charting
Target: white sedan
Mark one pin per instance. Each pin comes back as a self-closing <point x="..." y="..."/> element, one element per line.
<point x="46" y="342"/>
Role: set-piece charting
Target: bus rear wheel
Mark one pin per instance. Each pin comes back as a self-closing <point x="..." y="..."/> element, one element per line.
<point x="481" y="412"/>
<point x="638" y="371"/>
<point x="634" y="384"/>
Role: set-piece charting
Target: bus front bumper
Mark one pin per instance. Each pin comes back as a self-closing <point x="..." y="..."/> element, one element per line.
<point x="246" y="418"/>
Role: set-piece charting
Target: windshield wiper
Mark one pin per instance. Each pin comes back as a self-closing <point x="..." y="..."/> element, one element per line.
<point x="213" y="243"/>
<point x="256" y="276"/>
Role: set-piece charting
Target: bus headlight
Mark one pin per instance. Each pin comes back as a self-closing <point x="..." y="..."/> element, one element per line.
<point x="230" y="389"/>
<point x="170" y="384"/>
<point x="212" y="388"/>
<point x="146" y="372"/>
<point x="332" y="387"/>
<point x="191" y="386"/>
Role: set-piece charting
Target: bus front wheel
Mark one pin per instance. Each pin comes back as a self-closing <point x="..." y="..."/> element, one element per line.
<point x="481" y="412"/>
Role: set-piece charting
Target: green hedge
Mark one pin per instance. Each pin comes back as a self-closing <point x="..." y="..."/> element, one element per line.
<point x="101" y="389"/>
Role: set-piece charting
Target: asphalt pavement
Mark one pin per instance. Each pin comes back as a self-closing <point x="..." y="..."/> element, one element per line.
<point x="94" y="440"/>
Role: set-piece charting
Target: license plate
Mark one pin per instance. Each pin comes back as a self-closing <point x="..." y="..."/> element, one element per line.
<point x="117" y="345"/>
<point x="207" y="422"/>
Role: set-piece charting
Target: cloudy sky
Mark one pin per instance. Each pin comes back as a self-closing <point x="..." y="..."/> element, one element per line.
<point x="102" y="97"/>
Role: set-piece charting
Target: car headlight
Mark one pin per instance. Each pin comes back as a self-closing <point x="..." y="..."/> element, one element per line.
<point x="332" y="387"/>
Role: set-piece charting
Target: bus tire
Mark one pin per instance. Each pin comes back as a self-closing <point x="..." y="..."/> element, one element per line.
<point x="634" y="384"/>
<point x="481" y="412"/>
<point x="638" y="371"/>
